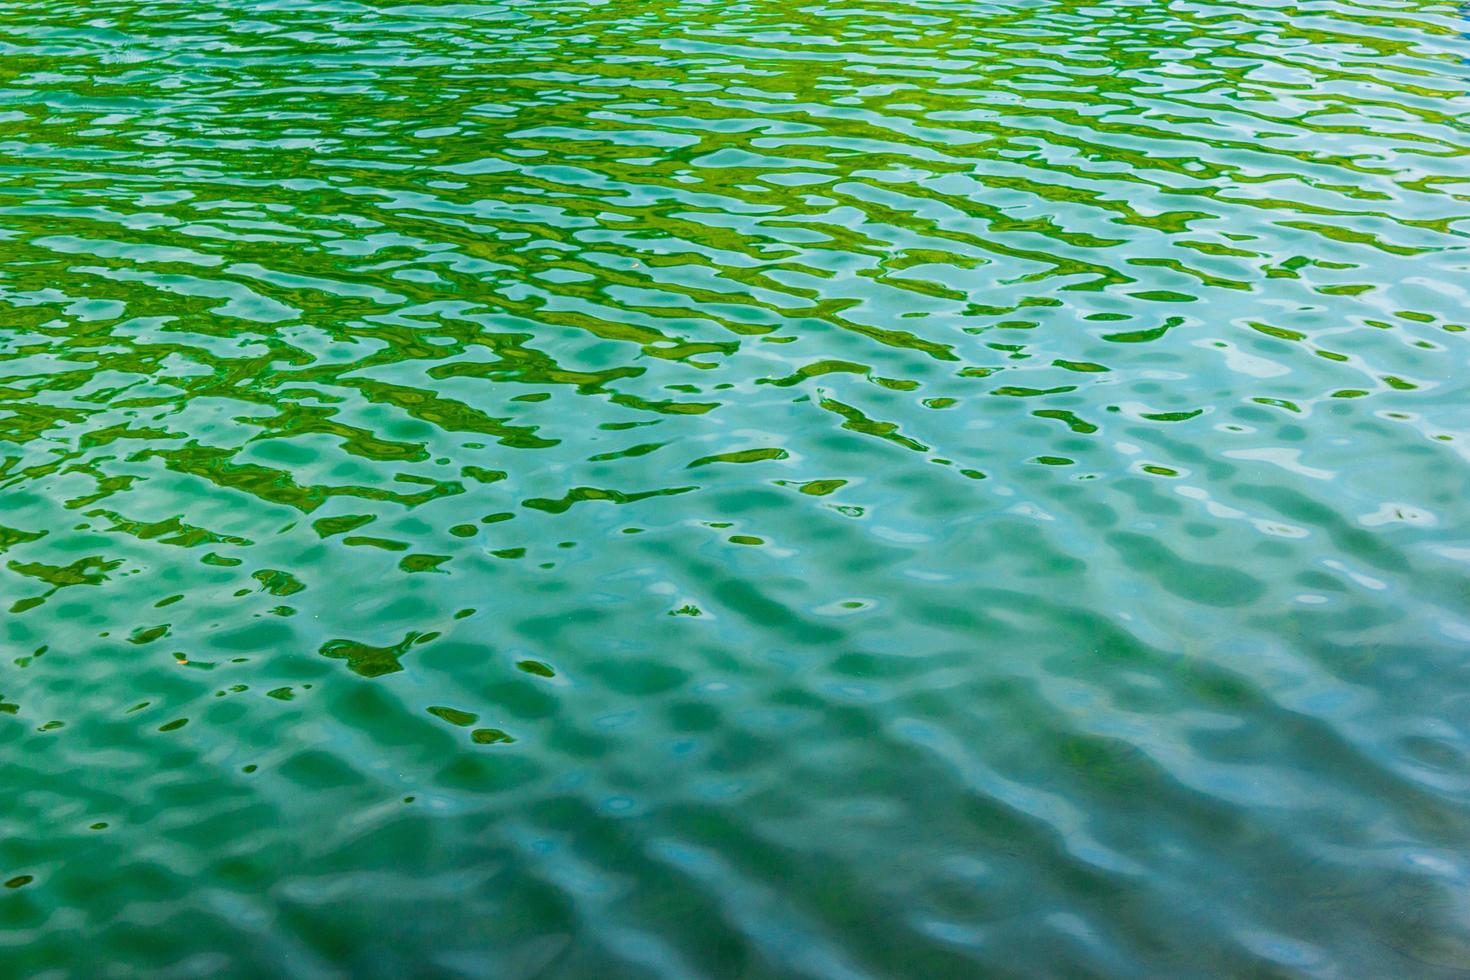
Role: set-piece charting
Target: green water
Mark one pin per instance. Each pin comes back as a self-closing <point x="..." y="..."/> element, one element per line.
<point x="855" y="488"/>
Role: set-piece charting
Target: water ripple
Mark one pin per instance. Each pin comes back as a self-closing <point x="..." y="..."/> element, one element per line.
<point x="850" y="489"/>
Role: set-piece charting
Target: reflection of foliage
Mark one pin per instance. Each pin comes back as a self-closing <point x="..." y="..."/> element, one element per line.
<point x="10" y="536"/>
<point x="278" y="582"/>
<point x="91" y="570"/>
<point x="371" y="661"/>
<point x="279" y="486"/>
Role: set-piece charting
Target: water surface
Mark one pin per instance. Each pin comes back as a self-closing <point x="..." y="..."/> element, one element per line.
<point x="861" y="488"/>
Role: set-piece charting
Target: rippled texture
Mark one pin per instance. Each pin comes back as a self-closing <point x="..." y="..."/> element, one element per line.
<point x="851" y="489"/>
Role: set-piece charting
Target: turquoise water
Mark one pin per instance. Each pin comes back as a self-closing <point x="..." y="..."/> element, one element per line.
<point x="673" y="489"/>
